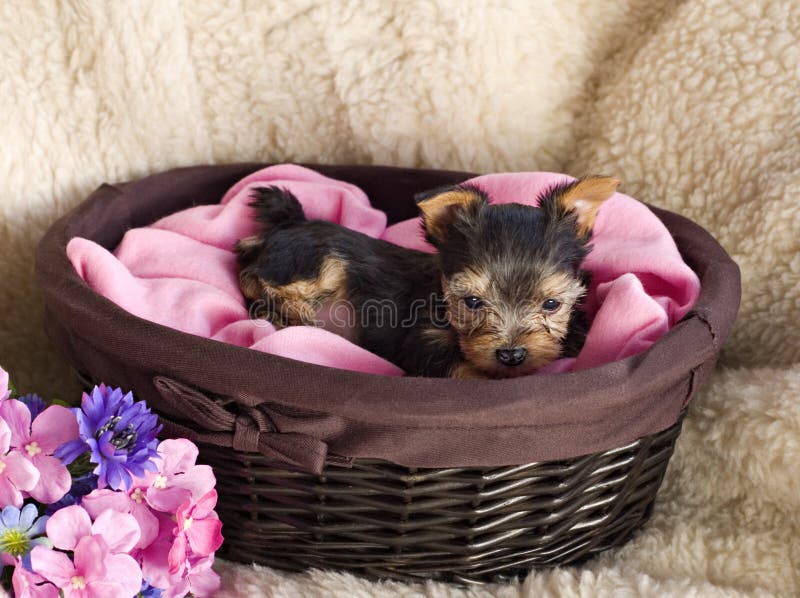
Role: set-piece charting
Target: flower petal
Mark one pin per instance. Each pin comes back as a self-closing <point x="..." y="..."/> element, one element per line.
<point x="177" y="557"/>
<point x="205" y="536"/>
<point x="52" y="565"/>
<point x="5" y="437"/>
<point x="9" y="495"/>
<point x="71" y="450"/>
<point x="177" y="455"/>
<point x="90" y="555"/>
<point x="54" y="481"/>
<point x="67" y="526"/>
<point x="27" y="516"/>
<point x="10" y="516"/>
<point x="168" y="499"/>
<point x="3" y="384"/>
<point x="98" y="501"/>
<point x="20" y="471"/>
<point x="120" y="531"/>
<point x="148" y="523"/>
<point x="24" y="583"/>
<point x="205" y="505"/>
<point x="205" y="583"/>
<point x="55" y="426"/>
<point x="155" y="564"/>
<point x="18" y="418"/>
<point x="125" y="571"/>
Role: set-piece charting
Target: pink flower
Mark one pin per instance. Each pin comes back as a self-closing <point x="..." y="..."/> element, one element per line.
<point x="93" y="574"/>
<point x="131" y="502"/>
<point x="198" y="528"/>
<point x="178" y="478"/>
<point x="17" y="474"/>
<point x="199" y="579"/>
<point x="31" y="585"/>
<point x="4" y="391"/>
<point x="155" y="566"/>
<point x="195" y="576"/>
<point x="37" y="442"/>
<point x="101" y="565"/>
<point x="67" y="526"/>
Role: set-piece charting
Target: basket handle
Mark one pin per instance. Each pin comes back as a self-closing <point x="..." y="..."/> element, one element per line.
<point x="249" y="431"/>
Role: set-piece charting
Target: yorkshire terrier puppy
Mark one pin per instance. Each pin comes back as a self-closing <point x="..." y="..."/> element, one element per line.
<point x="500" y="297"/>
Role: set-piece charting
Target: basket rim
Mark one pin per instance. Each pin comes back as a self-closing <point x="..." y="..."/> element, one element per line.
<point x="96" y="320"/>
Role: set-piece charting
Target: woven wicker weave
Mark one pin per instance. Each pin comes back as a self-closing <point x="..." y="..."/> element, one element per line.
<point x="459" y="524"/>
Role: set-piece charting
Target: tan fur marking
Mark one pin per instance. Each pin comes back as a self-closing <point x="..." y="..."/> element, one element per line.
<point x="435" y="209"/>
<point x="466" y="371"/>
<point x="248" y="243"/>
<point x="297" y="303"/>
<point x="586" y="196"/>
<point x="250" y="284"/>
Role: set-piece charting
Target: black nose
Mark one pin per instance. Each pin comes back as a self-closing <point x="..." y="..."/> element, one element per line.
<point x="511" y="356"/>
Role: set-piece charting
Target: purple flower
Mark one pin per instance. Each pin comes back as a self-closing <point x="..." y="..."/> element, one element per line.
<point x="34" y="403"/>
<point x="120" y="435"/>
<point x="148" y="591"/>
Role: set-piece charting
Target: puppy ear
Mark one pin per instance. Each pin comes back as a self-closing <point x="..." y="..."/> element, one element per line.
<point x="440" y="208"/>
<point x="582" y="198"/>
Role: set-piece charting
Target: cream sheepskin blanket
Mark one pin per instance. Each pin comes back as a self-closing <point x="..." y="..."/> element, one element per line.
<point x="694" y="104"/>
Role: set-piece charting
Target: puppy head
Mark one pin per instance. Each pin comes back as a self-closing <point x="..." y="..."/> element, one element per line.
<point x="511" y="274"/>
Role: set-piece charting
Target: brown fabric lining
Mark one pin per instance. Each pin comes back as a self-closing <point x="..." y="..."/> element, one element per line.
<point x="410" y="421"/>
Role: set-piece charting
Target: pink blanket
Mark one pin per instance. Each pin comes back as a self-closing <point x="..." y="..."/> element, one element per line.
<point x="181" y="272"/>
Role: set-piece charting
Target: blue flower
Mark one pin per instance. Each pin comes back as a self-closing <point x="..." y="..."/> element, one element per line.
<point x="118" y="432"/>
<point x="21" y="530"/>
<point x="148" y="591"/>
<point x="81" y="486"/>
<point x="34" y="403"/>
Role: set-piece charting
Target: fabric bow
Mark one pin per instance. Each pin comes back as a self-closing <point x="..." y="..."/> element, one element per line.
<point x="249" y="431"/>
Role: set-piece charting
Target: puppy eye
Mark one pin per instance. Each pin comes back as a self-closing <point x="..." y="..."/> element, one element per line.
<point x="551" y="305"/>
<point x="473" y="302"/>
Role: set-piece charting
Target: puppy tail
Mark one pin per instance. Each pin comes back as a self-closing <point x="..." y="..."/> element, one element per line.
<point x="275" y="209"/>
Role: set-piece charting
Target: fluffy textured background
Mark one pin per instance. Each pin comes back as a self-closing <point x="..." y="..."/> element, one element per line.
<point x="695" y="104"/>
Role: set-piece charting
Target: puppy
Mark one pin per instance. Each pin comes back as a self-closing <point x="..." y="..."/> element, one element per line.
<point x="501" y="296"/>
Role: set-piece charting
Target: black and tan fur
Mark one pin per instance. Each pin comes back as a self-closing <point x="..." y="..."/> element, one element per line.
<point x="500" y="297"/>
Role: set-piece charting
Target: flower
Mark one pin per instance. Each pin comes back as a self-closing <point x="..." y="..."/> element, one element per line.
<point x="148" y="591"/>
<point x="178" y="478"/>
<point x="197" y="528"/>
<point x="38" y="440"/>
<point x="102" y="565"/>
<point x="198" y="580"/>
<point x="119" y="433"/>
<point x="196" y="576"/>
<point x="28" y="584"/>
<point x="4" y="390"/>
<point x="131" y="502"/>
<point x="34" y="403"/>
<point x="17" y="474"/>
<point x="81" y="486"/>
<point x="119" y="531"/>
<point x="21" y="530"/>
<point x="94" y="573"/>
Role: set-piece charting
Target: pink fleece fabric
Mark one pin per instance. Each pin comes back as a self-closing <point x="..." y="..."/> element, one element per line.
<point x="181" y="271"/>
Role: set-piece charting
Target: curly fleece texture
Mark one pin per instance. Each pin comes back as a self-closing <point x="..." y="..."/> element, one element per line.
<point x="693" y="103"/>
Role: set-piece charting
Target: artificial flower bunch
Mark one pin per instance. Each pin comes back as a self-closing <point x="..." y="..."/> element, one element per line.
<point x="92" y="505"/>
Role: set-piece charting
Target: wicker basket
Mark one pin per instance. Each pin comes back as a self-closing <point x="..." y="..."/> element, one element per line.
<point x="459" y="524"/>
<point x="405" y="478"/>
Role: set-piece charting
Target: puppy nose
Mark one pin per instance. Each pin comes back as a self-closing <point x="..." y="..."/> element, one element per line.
<point x="511" y="356"/>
